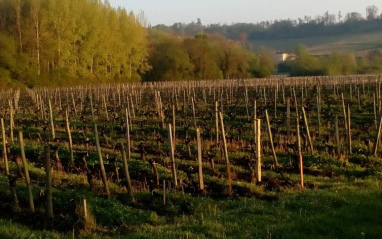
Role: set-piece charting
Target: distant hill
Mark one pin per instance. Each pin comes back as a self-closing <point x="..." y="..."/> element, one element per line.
<point x="321" y="35"/>
<point x="359" y="43"/>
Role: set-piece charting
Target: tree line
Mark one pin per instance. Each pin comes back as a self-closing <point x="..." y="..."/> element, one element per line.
<point x="336" y="63"/>
<point x="61" y="42"/>
<point x="322" y="25"/>
<point x="203" y="57"/>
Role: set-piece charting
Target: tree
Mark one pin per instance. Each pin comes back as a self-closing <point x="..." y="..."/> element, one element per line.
<point x="168" y="58"/>
<point x="16" y="4"/>
<point x="353" y="16"/>
<point x="203" y="55"/>
<point x="234" y="60"/>
<point x="305" y="64"/>
<point x="371" y="12"/>
<point x="264" y="65"/>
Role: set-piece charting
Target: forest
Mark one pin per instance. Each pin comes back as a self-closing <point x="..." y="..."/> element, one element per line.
<point x="82" y="41"/>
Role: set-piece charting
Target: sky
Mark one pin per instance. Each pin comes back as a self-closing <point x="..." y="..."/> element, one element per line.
<point x="229" y="11"/>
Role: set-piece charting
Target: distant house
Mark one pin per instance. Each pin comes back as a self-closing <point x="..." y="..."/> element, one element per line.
<point x="283" y="56"/>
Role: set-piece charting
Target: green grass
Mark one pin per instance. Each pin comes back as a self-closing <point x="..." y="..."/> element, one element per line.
<point x="340" y="199"/>
<point x="338" y="208"/>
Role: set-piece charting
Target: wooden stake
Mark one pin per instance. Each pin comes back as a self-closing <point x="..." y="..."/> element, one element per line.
<point x="5" y="156"/>
<point x="51" y="119"/>
<point x="85" y="210"/>
<point x="349" y="131"/>
<point x="377" y="139"/>
<point x="70" y="138"/>
<point x="288" y="118"/>
<point x="164" y="192"/>
<point x="48" y="182"/>
<point x="258" y="150"/>
<point x="307" y="130"/>
<point x="127" y="174"/>
<point x="193" y="111"/>
<point x="338" y="144"/>
<point x="216" y="123"/>
<point x="26" y="171"/>
<point x="11" y="123"/>
<point x="128" y="136"/>
<point x="104" y="179"/>
<point x="344" y="111"/>
<point x="200" y="163"/>
<point x="173" y="125"/>
<point x="226" y="155"/>
<point x="172" y="153"/>
<point x="299" y="151"/>
<point x="271" y="140"/>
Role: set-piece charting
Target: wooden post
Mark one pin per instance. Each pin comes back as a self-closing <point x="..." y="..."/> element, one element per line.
<point x="377" y="139"/>
<point x="11" y="123"/>
<point x="85" y="210"/>
<point x="193" y="111"/>
<point x="5" y="156"/>
<point x="74" y="105"/>
<point x="48" y="182"/>
<point x="70" y="138"/>
<point x="104" y="179"/>
<point x="358" y="99"/>
<point x="128" y="135"/>
<point x="288" y="118"/>
<point x="51" y="119"/>
<point x="200" y="163"/>
<point x="338" y="144"/>
<point x="105" y="106"/>
<point x="375" y="111"/>
<point x="258" y="150"/>
<point x="271" y="139"/>
<point x="349" y="131"/>
<point x="173" y="125"/>
<point x="344" y="111"/>
<point x="254" y="118"/>
<point x="318" y="115"/>
<point x="26" y="171"/>
<point x="164" y="192"/>
<point x="226" y="155"/>
<point x="246" y="101"/>
<point x="299" y="151"/>
<point x="172" y="153"/>
<point x="216" y="123"/>
<point x="126" y="171"/>
<point x="307" y="130"/>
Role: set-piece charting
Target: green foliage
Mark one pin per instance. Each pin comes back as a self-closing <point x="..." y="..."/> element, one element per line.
<point x="264" y="66"/>
<point x="305" y="64"/>
<point x="340" y="64"/>
<point x="201" y="57"/>
<point x="204" y="56"/>
<point x="169" y="60"/>
<point x="51" y="42"/>
<point x="337" y="63"/>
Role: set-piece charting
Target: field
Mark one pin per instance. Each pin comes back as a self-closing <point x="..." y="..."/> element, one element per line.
<point x="359" y="43"/>
<point x="189" y="160"/>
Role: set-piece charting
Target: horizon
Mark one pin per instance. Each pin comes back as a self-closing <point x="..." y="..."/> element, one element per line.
<point x="220" y="12"/>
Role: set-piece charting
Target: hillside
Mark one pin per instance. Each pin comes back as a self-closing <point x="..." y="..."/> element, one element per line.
<point x="360" y="43"/>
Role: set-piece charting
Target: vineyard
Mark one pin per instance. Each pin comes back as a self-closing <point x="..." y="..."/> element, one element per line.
<point x="254" y="158"/>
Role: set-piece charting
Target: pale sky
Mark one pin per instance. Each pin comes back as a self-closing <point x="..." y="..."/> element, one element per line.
<point x="229" y="11"/>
